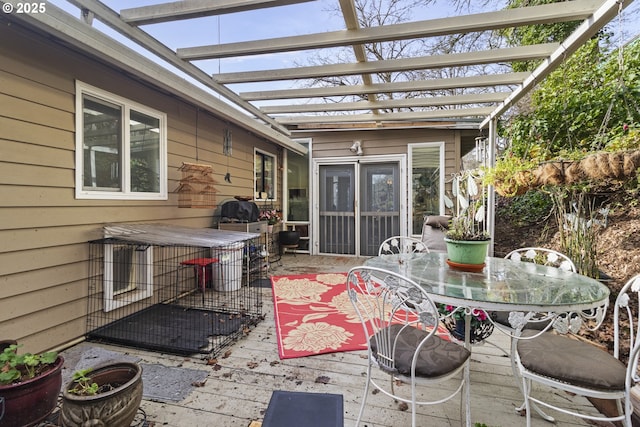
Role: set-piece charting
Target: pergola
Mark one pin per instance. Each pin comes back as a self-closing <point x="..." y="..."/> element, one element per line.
<point x="476" y="99"/>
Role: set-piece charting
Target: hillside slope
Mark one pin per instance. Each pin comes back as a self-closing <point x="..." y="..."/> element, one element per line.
<point x="618" y="251"/>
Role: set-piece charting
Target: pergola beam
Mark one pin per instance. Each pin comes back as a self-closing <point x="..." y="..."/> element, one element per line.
<point x="473" y="112"/>
<point x="178" y="10"/>
<point x="520" y="53"/>
<point x="351" y="21"/>
<point x="550" y="13"/>
<point x="503" y="79"/>
<point x="418" y="102"/>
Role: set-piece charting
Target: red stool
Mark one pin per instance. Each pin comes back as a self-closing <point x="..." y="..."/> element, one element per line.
<point x="203" y="274"/>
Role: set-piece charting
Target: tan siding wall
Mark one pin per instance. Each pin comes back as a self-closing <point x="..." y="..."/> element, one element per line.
<point x="45" y="230"/>
<point x="384" y="142"/>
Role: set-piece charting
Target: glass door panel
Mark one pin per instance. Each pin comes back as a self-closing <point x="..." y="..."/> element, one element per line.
<point x="379" y="205"/>
<point x="337" y="209"/>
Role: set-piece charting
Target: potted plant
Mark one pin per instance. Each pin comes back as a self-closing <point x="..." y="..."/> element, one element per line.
<point x="453" y="319"/>
<point x="467" y="238"/>
<point x="109" y="395"/>
<point x="29" y="385"/>
<point x="271" y="216"/>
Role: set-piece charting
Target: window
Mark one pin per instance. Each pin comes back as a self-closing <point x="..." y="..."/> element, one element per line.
<point x="120" y="148"/>
<point x="297" y="168"/>
<point x="265" y="170"/>
<point x="427" y="182"/>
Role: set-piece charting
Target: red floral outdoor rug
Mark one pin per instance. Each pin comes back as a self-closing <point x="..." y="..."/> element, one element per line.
<point x="313" y="315"/>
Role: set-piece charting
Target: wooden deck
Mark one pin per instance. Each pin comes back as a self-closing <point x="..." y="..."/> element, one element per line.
<point x="237" y="394"/>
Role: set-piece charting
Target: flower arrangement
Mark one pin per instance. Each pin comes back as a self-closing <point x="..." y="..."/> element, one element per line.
<point x="458" y="313"/>
<point x="468" y="209"/>
<point x="454" y="320"/>
<point x="270" y="215"/>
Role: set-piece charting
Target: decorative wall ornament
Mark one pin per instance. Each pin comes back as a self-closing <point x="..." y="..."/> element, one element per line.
<point x="196" y="189"/>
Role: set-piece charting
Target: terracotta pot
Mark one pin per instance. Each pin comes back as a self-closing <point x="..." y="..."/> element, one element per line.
<point x="31" y="401"/>
<point x="117" y="407"/>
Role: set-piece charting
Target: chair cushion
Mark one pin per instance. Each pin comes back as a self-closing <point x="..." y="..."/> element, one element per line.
<point x="438" y="221"/>
<point x="437" y="357"/>
<point x="571" y="361"/>
<point x="433" y="232"/>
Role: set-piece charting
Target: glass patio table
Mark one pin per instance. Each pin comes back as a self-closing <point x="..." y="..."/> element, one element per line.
<point x="559" y="298"/>
<point x="522" y="288"/>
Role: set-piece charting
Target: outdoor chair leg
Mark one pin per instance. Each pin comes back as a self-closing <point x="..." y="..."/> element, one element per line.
<point x="524" y="406"/>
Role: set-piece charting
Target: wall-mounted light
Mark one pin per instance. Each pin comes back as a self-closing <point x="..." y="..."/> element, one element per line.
<point x="356" y="147"/>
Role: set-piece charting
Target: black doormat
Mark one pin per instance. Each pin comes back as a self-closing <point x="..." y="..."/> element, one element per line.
<point x="288" y="408"/>
<point x="169" y="328"/>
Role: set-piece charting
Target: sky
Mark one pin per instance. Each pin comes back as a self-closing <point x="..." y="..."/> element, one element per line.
<point x="296" y="19"/>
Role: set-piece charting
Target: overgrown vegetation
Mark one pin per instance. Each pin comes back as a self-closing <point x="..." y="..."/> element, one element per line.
<point x="580" y="219"/>
<point x="580" y="109"/>
<point x="576" y="111"/>
<point x="530" y="208"/>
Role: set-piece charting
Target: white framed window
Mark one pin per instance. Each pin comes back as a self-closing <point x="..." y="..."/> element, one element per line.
<point x="265" y="168"/>
<point x="121" y="147"/>
<point x="128" y="274"/>
<point x="426" y="175"/>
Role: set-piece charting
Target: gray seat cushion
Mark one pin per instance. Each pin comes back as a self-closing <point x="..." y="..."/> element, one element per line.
<point x="433" y="231"/>
<point x="571" y="361"/>
<point x="438" y="356"/>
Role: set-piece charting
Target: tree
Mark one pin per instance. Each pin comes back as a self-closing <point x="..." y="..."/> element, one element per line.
<point x="377" y="13"/>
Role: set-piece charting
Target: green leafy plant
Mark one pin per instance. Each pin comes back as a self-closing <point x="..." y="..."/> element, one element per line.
<point x="468" y="219"/>
<point x="580" y="222"/>
<point x="15" y="368"/>
<point x="533" y="207"/>
<point x="85" y="386"/>
<point x="511" y="175"/>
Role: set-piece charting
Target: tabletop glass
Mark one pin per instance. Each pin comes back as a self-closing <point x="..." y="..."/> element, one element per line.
<point x="502" y="284"/>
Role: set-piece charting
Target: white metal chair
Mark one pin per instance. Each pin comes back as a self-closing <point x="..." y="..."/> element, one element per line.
<point x="401" y="245"/>
<point x="542" y="256"/>
<point x="535" y="255"/>
<point x="539" y="322"/>
<point x="400" y="320"/>
<point x="581" y="368"/>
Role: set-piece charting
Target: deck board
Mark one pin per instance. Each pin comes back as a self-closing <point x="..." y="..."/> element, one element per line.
<point x="237" y="394"/>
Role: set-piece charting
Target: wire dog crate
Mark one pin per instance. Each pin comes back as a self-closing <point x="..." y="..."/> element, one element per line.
<point x="174" y="289"/>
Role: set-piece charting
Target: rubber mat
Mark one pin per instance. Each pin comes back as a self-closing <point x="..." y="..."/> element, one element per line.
<point x="169" y="328"/>
<point x="289" y="409"/>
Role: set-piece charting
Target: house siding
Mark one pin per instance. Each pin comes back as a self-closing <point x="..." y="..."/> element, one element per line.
<point x="387" y="142"/>
<point x="45" y="230"/>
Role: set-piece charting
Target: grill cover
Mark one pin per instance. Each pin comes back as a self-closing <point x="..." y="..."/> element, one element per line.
<point x="240" y="211"/>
